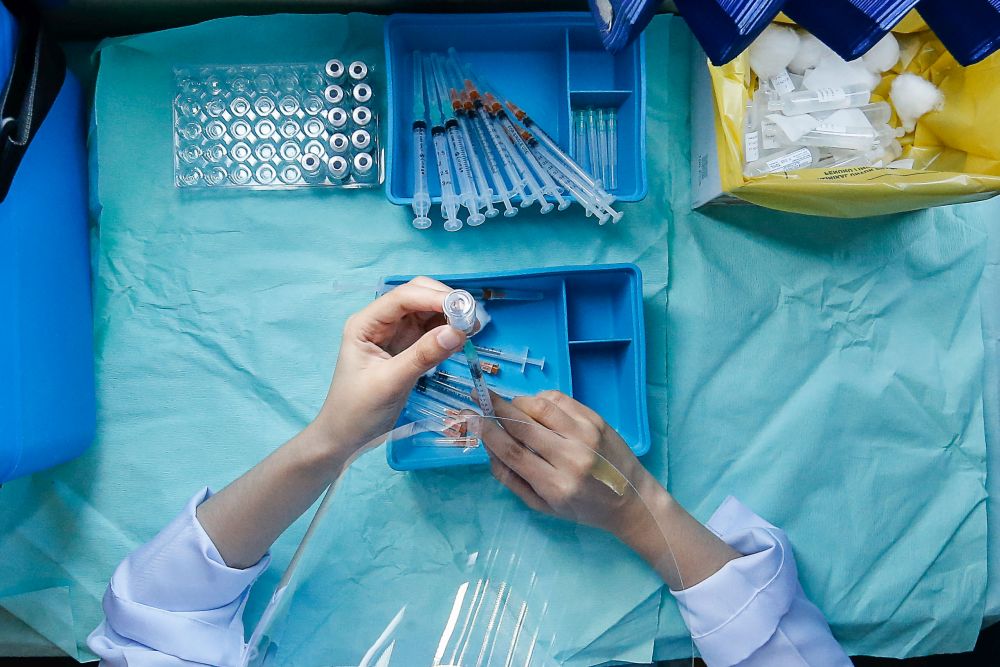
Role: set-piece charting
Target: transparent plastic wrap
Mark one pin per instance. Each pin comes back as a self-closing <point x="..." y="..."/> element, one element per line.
<point x="276" y="126"/>
<point x="499" y="595"/>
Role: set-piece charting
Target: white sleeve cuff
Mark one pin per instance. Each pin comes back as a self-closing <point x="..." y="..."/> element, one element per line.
<point x="176" y="595"/>
<point x="737" y="610"/>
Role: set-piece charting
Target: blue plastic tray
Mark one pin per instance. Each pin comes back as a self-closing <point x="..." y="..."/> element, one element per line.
<point x="589" y="327"/>
<point x="546" y="63"/>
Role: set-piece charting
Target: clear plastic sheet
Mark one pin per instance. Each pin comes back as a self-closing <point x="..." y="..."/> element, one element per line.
<point x="504" y="599"/>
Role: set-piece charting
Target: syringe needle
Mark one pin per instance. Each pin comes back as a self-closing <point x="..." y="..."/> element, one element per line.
<point x="482" y="185"/>
<point x="449" y="201"/>
<point x="468" y="196"/>
<point x="421" y="199"/>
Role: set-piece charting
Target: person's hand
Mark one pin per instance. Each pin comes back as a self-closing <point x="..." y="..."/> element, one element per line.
<point x="386" y="347"/>
<point x="561" y="458"/>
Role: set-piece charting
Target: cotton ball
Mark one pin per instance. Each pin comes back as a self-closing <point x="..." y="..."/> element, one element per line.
<point x="865" y="75"/>
<point x="809" y="53"/>
<point x="884" y="55"/>
<point x="913" y="96"/>
<point x="771" y="52"/>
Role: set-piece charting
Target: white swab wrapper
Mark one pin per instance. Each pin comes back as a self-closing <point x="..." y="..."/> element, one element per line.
<point x="913" y="96"/>
<point x="793" y="127"/>
<point x="835" y="72"/>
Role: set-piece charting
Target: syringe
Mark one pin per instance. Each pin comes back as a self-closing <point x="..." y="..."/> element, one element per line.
<point x="482" y="185"/>
<point x="465" y="383"/>
<point x="612" y="149"/>
<point x="449" y="200"/>
<point x="602" y="142"/>
<point x="572" y="165"/>
<point x="498" y="182"/>
<point x="460" y="311"/>
<point x="506" y="147"/>
<point x="503" y="294"/>
<point x="532" y="186"/>
<point x="421" y="198"/>
<point x="522" y="359"/>
<point x="501" y="146"/>
<point x="474" y="107"/>
<point x="583" y="197"/>
<point x="468" y="197"/>
<point x="594" y="146"/>
<point x="549" y="187"/>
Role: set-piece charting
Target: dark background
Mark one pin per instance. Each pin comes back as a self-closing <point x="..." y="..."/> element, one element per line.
<point x="987" y="653"/>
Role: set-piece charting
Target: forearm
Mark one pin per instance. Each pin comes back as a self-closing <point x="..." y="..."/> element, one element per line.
<point x="246" y="517"/>
<point x="674" y="543"/>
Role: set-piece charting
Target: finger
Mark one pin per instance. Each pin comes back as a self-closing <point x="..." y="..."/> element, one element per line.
<point x="572" y="407"/>
<point x="424" y="281"/>
<point x="528" y="465"/>
<point x="549" y="414"/>
<point x="401" y="301"/>
<point x="544" y="442"/>
<point x="516" y="483"/>
<point x="427" y="352"/>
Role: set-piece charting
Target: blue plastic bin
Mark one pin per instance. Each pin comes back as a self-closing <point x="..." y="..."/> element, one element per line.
<point x="589" y="327"/>
<point x="47" y="412"/>
<point x="546" y="63"/>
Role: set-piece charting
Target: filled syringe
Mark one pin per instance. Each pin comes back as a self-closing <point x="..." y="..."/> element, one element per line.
<point x="479" y="175"/>
<point x="549" y="186"/>
<point x="532" y="188"/>
<point x="421" y="198"/>
<point x="522" y="359"/>
<point x="468" y="196"/>
<point x="588" y="180"/>
<point x="460" y="311"/>
<point x="485" y="142"/>
<point x="449" y="200"/>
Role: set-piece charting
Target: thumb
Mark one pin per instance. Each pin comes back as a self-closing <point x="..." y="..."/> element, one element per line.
<point x="430" y="350"/>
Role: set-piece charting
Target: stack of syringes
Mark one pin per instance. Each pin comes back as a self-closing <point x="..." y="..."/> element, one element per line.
<point x="595" y="140"/>
<point x="484" y="157"/>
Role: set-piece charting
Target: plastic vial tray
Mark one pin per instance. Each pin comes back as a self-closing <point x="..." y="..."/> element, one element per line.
<point x="276" y="126"/>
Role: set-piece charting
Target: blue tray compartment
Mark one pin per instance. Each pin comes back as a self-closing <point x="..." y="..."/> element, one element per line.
<point x="589" y="328"/>
<point x="555" y="62"/>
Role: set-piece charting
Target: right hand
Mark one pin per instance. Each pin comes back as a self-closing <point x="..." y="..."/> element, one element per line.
<point x="553" y="452"/>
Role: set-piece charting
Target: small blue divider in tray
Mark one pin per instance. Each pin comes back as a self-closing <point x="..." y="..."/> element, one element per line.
<point x="589" y="327"/>
<point x="546" y="63"/>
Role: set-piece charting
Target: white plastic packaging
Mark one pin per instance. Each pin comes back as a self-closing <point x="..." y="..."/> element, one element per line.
<point x="787" y="160"/>
<point x="825" y="99"/>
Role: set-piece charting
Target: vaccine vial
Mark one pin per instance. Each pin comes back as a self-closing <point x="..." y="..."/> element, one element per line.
<point x="362" y="92"/>
<point x="339" y="142"/>
<point x="338" y="168"/>
<point x="337" y="117"/>
<point x="460" y="311"/>
<point x="361" y="139"/>
<point x="361" y="116"/>
<point x="334" y="94"/>
<point x="335" y="70"/>
<point x="357" y="70"/>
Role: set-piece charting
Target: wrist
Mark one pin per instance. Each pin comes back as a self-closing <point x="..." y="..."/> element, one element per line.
<point x="644" y="532"/>
<point x="323" y="450"/>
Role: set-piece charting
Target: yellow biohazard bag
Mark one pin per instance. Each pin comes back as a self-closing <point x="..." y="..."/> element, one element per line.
<point x="956" y="151"/>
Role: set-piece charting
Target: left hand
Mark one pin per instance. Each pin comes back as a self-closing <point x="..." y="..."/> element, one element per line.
<point x="386" y="347"/>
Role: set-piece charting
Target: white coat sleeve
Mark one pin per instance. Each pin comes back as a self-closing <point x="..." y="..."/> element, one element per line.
<point x="753" y="612"/>
<point x="174" y="601"/>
